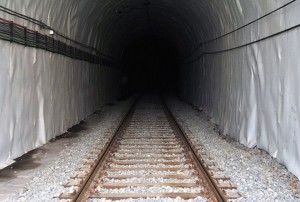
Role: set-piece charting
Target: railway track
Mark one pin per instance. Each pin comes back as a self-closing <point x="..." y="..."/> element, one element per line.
<point x="149" y="156"/>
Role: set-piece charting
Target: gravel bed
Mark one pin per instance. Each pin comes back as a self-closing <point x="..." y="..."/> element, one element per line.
<point x="47" y="183"/>
<point x="152" y="180"/>
<point x="148" y="142"/>
<point x="160" y="150"/>
<point x="258" y="176"/>
<point x="163" y="189"/>
<point x="157" y="199"/>
<point x="148" y="138"/>
<point x="147" y="155"/>
<point x="152" y="160"/>
<point x="151" y="172"/>
<point x="147" y="163"/>
<point x="152" y="134"/>
<point x="149" y="146"/>
<point x="149" y="166"/>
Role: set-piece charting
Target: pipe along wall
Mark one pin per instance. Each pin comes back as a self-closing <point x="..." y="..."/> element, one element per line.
<point x="235" y="59"/>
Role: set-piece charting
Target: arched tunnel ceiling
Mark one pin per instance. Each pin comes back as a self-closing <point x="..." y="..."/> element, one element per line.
<point x="186" y="23"/>
<point x="127" y="20"/>
<point x="109" y="25"/>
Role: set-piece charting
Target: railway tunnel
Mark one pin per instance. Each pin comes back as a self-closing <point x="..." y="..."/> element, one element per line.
<point x="235" y="60"/>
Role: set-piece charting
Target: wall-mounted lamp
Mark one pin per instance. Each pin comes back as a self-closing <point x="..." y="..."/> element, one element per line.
<point x="51" y="32"/>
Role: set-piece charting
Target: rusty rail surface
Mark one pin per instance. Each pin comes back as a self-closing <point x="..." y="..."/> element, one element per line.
<point x="150" y="150"/>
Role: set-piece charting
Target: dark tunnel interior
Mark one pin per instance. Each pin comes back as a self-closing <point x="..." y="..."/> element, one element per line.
<point x="150" y="63"/>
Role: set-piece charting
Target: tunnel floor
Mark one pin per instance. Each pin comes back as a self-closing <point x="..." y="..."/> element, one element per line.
<point x="40" y="174"/>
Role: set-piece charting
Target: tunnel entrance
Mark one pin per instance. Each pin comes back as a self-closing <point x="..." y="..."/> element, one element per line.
<point x="150" y="63"/>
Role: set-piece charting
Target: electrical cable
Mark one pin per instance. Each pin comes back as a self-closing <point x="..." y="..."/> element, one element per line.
<point x="243" y="45"/>
<point x="16" y="33"/>
<point x="43" y="25"/>
<point x="214" y="39"/>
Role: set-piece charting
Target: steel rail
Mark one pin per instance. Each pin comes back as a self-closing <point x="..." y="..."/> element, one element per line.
<point x="210" y="181"/>
<point x="215" y="193"/>
<point x="80" y="194"/>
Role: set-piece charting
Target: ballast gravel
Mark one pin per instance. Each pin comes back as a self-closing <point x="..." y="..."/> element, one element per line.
<point x="149" y="166"/>
<point x="47" y="184"/>
<point x="157" y="199"/>
<point x="257" y="175"/>
<point x="149" y="147"/>
<point x="156" y="160"/>
<point x="126" y="151"/>
<point x="152" y="180"/>
<point x="124" y="155"/>
<point x="151" y="172"/>
<point x="163" y="189"/>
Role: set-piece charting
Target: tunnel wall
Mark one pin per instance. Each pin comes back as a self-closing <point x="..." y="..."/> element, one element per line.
<point x="42" y="94"/>
<point x="252" y="92"/>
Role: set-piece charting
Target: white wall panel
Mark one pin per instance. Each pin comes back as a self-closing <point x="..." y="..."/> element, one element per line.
<point x="42" y="94"/>
<point x="252" y="93"/>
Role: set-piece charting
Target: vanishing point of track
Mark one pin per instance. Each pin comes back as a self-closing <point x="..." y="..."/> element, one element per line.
<point x="148" y="156"/>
